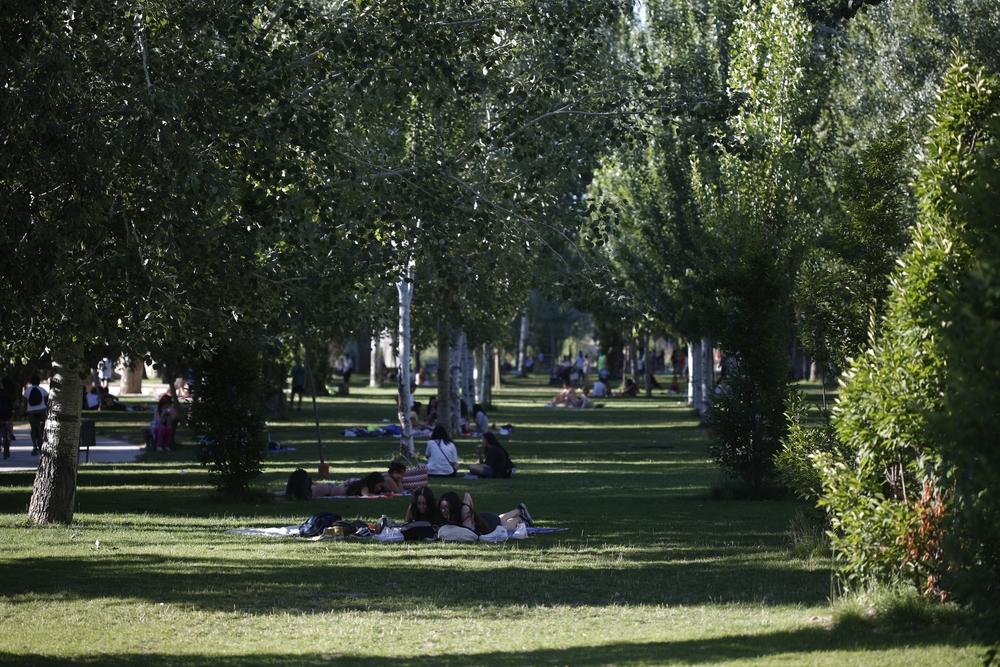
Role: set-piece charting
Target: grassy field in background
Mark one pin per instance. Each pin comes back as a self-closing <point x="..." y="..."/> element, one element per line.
<point x="650" y="572"/>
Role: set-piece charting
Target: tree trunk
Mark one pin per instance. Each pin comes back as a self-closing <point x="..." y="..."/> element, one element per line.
<point x="405" y="288"/>
<point x="131" y="382"/>
<point x="496" y="369"/>
<point x="364" y="353"/>
<point x="707" y="373"/>
<point x="483" y="388"/>
<point x="375" y="354"/>
<point x="468" y="374"/>
<point x="522" y="348"/>
<point x="649" y="368"/>
<point x="444" y="375"/>
<point x="54" y="492"/>
<point x="694" y="377"/>
<point x="455" y="384"/>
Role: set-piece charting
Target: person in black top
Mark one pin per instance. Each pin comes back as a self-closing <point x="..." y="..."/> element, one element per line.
<point x="457" y="512"/>
<point x="494" y="461"/>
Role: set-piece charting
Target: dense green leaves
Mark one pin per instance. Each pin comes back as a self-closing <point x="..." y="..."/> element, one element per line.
<point x="889" y="488"/>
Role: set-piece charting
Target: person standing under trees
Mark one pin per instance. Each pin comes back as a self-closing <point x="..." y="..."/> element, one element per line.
<point x="602" y="366"/>
<point x="35" y="407"/>
<point x="298" y="383"/>
<point x="348" y="368"/>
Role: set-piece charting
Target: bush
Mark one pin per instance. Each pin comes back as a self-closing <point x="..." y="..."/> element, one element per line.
<point x="226" y="416"/>
<point x="891" y="492"/>
<point x="796" y="462"/>
<point x="749" y="422"/>
<point x="968" y="427"/>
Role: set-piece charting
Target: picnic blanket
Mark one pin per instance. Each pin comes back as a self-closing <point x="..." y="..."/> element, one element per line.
<point x="375" y="431"/>
<point x="293" y="531"/>
<point x="369" y="497"/>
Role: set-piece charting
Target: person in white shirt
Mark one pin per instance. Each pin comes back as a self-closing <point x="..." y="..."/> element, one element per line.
<point x="441" y="453"/>
<point x="36" y="404"/>
<point x="480" y="419"/>
<point x="600" y="389"/>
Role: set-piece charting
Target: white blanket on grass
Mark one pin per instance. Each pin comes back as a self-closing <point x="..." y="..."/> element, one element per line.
<point x="281" y="531"/>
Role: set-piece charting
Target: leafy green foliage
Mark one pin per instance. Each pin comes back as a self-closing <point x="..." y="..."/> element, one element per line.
<point x="887" y="497"/>
<point x="809" y="433"/>
<point x="968" y="425"/>
<point x="226" y="416"/>
<point x="842" y="285"/>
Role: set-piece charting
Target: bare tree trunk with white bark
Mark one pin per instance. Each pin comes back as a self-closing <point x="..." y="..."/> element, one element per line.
<point x="522" y="348"/>
<point x="405" y="288"/>
<point x="131" y="382"/>
<point x="54" y="491"/>
<point x="374" y="358"/>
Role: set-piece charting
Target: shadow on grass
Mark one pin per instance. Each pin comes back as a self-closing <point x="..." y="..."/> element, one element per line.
<point x="794" y="644"/>
<point x="241" y="577"/>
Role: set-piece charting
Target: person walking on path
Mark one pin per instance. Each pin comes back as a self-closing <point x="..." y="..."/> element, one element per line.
<point x="36" y="403"/>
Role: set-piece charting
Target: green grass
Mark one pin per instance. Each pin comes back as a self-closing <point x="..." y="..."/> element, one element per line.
<point x="650" y="572"/>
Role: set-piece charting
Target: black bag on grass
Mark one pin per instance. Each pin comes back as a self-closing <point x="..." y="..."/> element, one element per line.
<point x="418" y="530"/>
<point x="317" y="523"/>
<point x="351" y="527"/>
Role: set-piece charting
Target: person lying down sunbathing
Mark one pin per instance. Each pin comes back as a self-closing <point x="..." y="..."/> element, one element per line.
<point x="300" y="486"/>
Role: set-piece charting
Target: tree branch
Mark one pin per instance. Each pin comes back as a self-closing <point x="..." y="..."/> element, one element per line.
<point x="530" y="222"/>
<point x="270" y="24"/>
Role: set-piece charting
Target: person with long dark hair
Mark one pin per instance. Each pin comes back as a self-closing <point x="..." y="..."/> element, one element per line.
<point x="372" y="484"/>
<point x="441" y="453"/>
<point x="457" y="512"/>
<point x="494" y="461"/>
<point x="423" y="507"/>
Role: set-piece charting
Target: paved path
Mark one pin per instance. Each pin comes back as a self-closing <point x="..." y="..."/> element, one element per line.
<point x="105" y="451"/>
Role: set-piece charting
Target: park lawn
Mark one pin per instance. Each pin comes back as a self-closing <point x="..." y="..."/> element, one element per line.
<point x="650" y="572"/>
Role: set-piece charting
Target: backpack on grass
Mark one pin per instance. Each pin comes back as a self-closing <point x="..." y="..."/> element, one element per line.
<point x="317" y="523"/>
<point x="418" y="530"/>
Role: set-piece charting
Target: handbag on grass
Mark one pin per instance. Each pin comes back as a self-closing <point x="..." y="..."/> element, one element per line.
<point x="414" y="478"/>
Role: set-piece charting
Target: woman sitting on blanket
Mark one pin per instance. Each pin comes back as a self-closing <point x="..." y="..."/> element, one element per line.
<point x="370" y="485"/>
<point x="457" y="513"/>
<point x="423" y="508"/>
<point x="494" y="461"/>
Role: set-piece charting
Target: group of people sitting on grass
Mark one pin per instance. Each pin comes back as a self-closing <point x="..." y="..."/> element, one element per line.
<point x="567" y="398"/>
<point x="442" y="456"/>
<point x="476" y="424"/>
<point x="442" y="461"/>
<point x="449" y="509"/>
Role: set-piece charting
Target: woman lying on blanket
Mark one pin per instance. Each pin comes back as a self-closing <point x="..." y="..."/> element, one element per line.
<point x="394" y="478"/>
<point x="370" y="485"/>
<point x="454" y="511"/>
